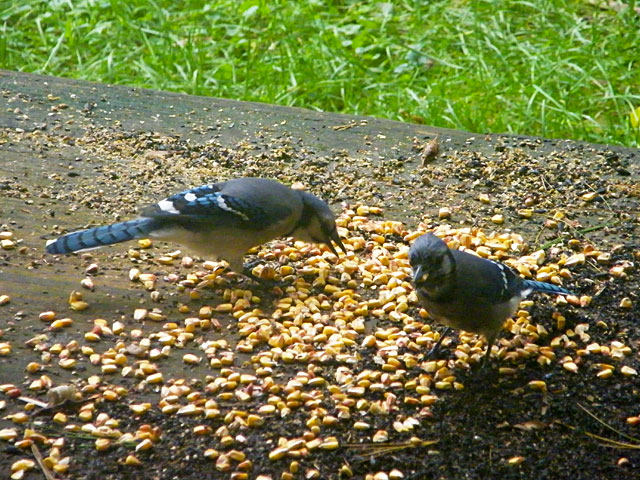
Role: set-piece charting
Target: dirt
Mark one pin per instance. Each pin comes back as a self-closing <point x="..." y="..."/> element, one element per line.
<point x="93" y="162"/>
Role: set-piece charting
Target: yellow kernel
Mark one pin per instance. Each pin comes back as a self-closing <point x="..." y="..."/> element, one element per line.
<point x="92" y="337"/>
<point x="78" y="305"/>
<point x="155" y="378"/>
<point x="628" y="371"/>
<point x="278" y="453"/>
<point x="626" y="303"/>
<point x="60" y="417"/>
<point x="145" y="444"/>
<point x="537" y="385"/>
<point x="8" y="434"/>
<point x="330" y="443"/>
<point x="85" y="415"/>
<point x="190" y="358"/>
<point x="211" y="453"/>
<point x="47" y="316"/>
<point x="444" y="212"/>
<point x="287" y="270"/>
<point x="224" y="307"/>
<point x="165" y="260"/>
<point x="110" y="395"/>
<point x="7" y="244"/>
<point x="606" y="373"/>
<point x="102" y="444"/>
<point x="139" y="409"/>
<point x="33" y="367"/>
<point x="60" y="324"/>
<point x="23" y="464"/>
<point x="132" y="460"/>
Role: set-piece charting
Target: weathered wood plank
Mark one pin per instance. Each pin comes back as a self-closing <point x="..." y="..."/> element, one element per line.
<point x="74" y="154"/>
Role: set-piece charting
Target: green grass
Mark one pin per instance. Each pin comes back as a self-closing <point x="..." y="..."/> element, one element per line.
<point x="564" y="69"/>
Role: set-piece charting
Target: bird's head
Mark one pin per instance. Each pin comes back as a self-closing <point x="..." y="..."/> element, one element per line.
<point x="317" y="223"/>
<point x="431" y="262"/>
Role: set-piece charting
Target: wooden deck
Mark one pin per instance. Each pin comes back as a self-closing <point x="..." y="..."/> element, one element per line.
<point x="74" y="153"/>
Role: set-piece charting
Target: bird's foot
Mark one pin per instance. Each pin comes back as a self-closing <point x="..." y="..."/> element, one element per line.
<point x="249" y="266"/>
<point x="436" y="348"/>
<point x="266" y="277"/>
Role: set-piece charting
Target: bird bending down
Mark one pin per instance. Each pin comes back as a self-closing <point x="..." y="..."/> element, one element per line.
<point x="223" y="220"/>
<point x="467" y="292"/>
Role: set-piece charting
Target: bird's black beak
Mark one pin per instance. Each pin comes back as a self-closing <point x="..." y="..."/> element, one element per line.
<point x="336" y="239"/>
<point x="417" y="274"/>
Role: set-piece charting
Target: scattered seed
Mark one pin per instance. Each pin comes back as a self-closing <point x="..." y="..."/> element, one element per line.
<point x="444" y="213"/>
<point x="626" y="303"/>
<point x="628" y="371"/>
<point x="7" y="244"/>
<point x="538" y="385"/>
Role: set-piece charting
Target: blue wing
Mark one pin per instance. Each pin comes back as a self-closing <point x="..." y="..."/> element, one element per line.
<point x="485" y="280"/>
<point x="206" y="204"/>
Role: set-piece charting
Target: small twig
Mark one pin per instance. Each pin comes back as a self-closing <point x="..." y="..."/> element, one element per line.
<point x="48" y="407"/>
<point x="607" y="442"/>
<point x="379" y="449"/>
<point x="35" y="401"/>
<point x="584" y="409"/>
<point x="349" y="125"/>
<point x="539" y="234"/>
<point x="38" y="456"/>
<point x="544" y="182"/>
<point x="601" y="291"/>
<point x="604" y="200"/>
<point x="551" y="243"/>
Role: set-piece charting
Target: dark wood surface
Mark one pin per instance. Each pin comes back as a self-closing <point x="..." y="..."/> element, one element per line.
<point x="74" y="153"/>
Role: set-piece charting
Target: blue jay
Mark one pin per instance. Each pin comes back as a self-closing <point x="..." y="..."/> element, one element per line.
<point x="467" y="292"/>
<point x="222" y="219"/>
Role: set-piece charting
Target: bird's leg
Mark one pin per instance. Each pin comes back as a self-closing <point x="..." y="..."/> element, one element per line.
<point x="436" y="348"/>
<point x="247" y="272"/>
<point x="485" y="360"/>
<point x="247" y="267"/>
<point x="269" y="283"/>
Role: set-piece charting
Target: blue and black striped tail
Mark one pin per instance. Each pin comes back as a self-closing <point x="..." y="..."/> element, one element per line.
<point x="100" y="236"/>
<point x="545" y="288"/>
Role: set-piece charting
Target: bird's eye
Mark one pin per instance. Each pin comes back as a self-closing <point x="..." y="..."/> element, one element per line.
<point x="424" y="277"/>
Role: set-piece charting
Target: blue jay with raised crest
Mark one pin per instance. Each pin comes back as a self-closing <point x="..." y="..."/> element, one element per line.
<point x="222" y="220"/>
<point x="467" y="292"/>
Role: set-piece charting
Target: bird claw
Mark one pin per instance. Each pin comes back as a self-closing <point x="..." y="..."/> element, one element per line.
<point x="484" y="365"/>
<point x="247" y="267"/>
<point x="265" y="282"/>
<point x="436" y="348"/>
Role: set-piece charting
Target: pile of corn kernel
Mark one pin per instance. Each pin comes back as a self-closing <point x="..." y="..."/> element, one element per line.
<point x="343" y="342"/>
